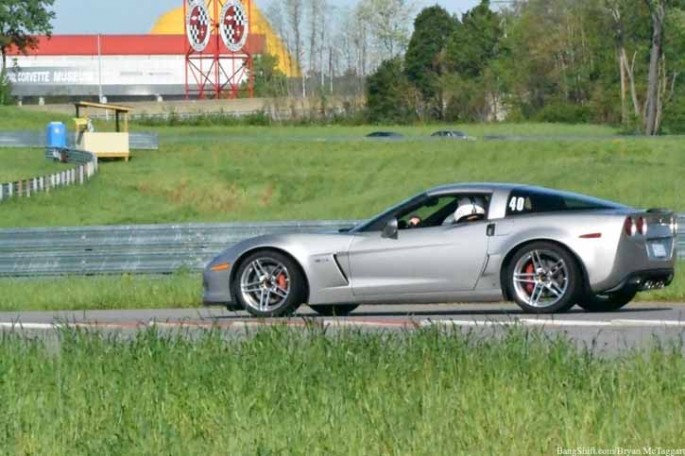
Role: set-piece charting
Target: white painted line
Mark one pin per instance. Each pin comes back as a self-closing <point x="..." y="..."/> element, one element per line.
<point x="254" y="324"/>
<point x="649" y="323"/>
<point x="361" y="323"/>
<point x="468" y="322"/>
<point x="542" y="322"/>
<point x="20" y="325"/>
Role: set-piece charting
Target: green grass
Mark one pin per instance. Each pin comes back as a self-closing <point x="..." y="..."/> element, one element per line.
<point x="13" y="119"/>
<point x="26" y="163"/>
<point x="293" y="393"/>
<point x="182" y="290"/>
<point x="217" y="174"/>
<point x="247" y="174"/>
<point x="356" y="132"/>
<point x="101" y="292"/>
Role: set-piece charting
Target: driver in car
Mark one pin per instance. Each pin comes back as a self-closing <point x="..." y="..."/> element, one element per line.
<point x="413" y="221"/>
<point x="469" y="209"/>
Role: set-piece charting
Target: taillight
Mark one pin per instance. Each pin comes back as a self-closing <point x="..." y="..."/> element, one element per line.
<point x="629" y="226"/>
<point x="674" y="225"/>
<point x="641" y="226"/>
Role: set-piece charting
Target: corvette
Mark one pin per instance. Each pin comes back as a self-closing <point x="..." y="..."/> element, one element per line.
<point x="545" y="249"/>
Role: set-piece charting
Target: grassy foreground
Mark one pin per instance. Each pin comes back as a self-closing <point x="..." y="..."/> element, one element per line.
<point x="181" y="290"/>
<point x="285" y="392"/>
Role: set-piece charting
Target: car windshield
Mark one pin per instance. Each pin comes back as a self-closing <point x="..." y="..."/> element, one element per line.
<point x="426" y="211"/>
<point x="381" y="219"/>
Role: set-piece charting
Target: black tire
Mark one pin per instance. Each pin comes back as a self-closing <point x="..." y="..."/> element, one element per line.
<point x="334" y="310"/>
<point x="268" y="290"/>
<point x="553" y="273"/>
<point x="607" y="302"/>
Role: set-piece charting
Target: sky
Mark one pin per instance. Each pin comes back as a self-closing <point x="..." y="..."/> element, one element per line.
<point x="138" y="16"/>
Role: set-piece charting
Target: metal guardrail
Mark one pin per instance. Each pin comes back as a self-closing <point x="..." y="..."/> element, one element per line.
<point x="142" y="249"/>
<point x="138" y="249"/>
<point x="138" y="141"/>
<point x="681" y="236"/>
<point x="86" y="167"/>
<point x="143" y="141"/>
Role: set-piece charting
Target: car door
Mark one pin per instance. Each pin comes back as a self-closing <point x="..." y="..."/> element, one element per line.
<point x="440" y="259"/>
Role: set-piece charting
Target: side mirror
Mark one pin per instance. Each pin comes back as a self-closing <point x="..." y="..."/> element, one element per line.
<point x="390" y="229"/>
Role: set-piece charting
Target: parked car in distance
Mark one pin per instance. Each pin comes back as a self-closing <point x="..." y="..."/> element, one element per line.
<point x="384" y="134"/>
<point x="454" y="134"/>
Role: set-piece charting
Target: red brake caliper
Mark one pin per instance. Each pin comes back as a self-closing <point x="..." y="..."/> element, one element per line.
<point x="530" y="269"/>
<point x="282" y="281"/>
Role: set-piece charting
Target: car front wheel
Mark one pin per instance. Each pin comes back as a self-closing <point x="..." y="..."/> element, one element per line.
<point x="543" y="277"/>
<point x="269" y="284"/>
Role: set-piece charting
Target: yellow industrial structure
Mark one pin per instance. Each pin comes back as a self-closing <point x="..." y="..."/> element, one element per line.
<point x="172" y="23"/>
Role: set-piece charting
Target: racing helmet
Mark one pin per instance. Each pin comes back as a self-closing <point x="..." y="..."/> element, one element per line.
<point x="469" y="206"/>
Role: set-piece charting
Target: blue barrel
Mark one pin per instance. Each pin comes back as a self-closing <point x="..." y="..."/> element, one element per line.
<point x="56" y="136"/>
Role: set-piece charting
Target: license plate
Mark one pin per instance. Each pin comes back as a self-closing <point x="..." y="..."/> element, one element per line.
<point x="659" y="250"/>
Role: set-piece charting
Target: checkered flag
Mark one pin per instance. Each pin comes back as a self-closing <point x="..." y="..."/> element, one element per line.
<point x="197" y="25"/>
<point x="234" y="25"/>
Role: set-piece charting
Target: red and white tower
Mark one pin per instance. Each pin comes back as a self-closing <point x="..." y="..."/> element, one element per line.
<point x="218" y="59"/>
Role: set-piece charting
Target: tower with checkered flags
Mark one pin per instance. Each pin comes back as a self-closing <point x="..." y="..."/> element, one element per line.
<point x="218" y="59"/>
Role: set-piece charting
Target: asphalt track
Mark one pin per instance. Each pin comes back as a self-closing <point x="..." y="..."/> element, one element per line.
<point x="634" y="327"/>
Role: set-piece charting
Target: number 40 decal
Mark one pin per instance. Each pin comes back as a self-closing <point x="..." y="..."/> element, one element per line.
<point x="517" y="203"/>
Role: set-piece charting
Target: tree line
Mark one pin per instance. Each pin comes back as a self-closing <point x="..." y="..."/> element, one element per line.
<point x="603" y="61"/>
<point x="619" y="62"/>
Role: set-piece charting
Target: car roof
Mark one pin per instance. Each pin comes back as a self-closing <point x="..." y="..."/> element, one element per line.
<point x="472" y="187"/>
<point x="492" y="187"/>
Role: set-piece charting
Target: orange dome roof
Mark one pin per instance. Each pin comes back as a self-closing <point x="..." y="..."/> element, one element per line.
<point x="172" y="23"/>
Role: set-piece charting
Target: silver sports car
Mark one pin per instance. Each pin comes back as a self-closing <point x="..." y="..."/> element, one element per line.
<point x="544" y="249"/>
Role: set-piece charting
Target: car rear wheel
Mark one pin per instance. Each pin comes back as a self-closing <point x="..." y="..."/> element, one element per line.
<point x="543" y="277"/>
<point x="607" y="302"/>
<point x="269" y="284"/>
<point x="333" y="310"/>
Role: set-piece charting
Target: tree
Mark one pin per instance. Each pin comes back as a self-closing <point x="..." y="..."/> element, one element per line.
<point x="616" y="9"/>
<point x="475" y="41"/>
<point x="20" y="21"/>
<point x="472" y="84"/>
<point x="389" y="94"/>
<point x="674" y="93"/>
<point x="294" y="12"/>
<point x="425" y="60"/>
<point x="269" y="81"/>
<point x="388" y="21"/>
<point x="653" y="104"/>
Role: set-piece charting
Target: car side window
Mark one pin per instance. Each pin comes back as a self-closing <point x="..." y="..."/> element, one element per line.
<point x="442" y="210"/>
<point x="523" y="202"/>
<point x="426" y="214"/>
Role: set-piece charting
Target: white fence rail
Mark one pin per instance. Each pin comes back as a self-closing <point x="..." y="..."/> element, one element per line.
<point x="86" y="167"/>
